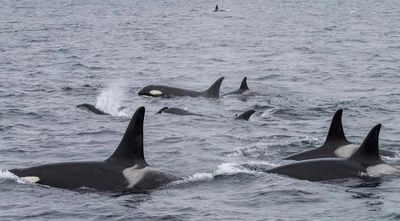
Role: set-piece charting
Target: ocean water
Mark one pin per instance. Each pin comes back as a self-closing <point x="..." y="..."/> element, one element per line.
<point x="303" y="59"/>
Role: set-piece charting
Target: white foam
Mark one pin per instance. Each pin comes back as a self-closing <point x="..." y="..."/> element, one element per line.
<point x="227" y="169"/>
<point x="346" y="151"/>
<point x="111" y="97"/>
<point x="7" y="175"/>
<point x="381" y="169"/>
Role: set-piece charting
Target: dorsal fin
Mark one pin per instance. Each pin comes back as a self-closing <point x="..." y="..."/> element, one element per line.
<point x="213" y="90"/>
<point x="368" y="152"/>
<point x="161" y="110"/>
<point x="244" y="86"/>
<point x="130" y="149"/>
<point x="336" y="133"/>
<point x="246" y="115"/>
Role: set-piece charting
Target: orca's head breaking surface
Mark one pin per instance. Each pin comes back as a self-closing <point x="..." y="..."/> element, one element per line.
<point x="152" y="91"/>
<point x="167" y="91"/>
<point x="90" y="108"/>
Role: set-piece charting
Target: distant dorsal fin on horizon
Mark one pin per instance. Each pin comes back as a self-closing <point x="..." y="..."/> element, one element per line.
<point x="336" y="133"/>
<point x="130" y="149"/>
<point x="244" y="86"/>
<point x="213" y="90"/>
<point x="368" y="152"/>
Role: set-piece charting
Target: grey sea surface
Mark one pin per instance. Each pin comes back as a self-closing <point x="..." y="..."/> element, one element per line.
<point x="303" y="59"/>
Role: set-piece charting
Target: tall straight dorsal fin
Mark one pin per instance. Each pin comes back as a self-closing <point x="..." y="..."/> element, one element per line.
<point x="130" y="149"/>
<point x="336" y="133"/>
<point x="368" y="152"/>
<point x="244" y="86"/>
<point x="213" y="90"/>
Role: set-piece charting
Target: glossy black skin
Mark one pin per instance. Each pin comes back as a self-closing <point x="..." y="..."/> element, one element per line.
<point x="91" y="108"/>
<point x="216" y="8"/>
<point x="177" y="111"/>
<point x="246" y="115"/>
<point x="104" y="175"/>
<point x="211" y="92"/>
<point x="335" y="139"/>
<point x="323" y="169"/>
<point x="243" y="87"/>
<point x="72" y="175"/>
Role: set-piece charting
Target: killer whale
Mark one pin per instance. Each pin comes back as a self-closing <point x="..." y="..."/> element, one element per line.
<point x="177" y="111"/>
<point x="364" y="163"/>
<point x="242" y="89"/>
<point x="91" y="108"/>
<point x="335" y="145"/>
<point x="125" y="170"/>
<point x="216" y="8"/>
<point x="166" y="91"/>
<point x="246" y="115"/>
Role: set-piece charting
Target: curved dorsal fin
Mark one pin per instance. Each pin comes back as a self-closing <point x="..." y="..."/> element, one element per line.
<point x="336" y="133"/>
<point x="244" y="86"/>
<point x="213" y="90"/>
<point x="368" y="152"/>
<point x="130" y="149"/>
<point x="246" y="115"/>
<point x="161" y="110"/>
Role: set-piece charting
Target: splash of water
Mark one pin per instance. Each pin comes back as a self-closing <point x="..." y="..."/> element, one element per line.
<point x="111" y="97"/>
<point x="7" y="175"/>
<point x="224" y="169"/>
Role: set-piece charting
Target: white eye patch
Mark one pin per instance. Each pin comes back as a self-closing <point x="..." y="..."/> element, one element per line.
<point x="155" y="92"/>
<point x="31" y="179"/>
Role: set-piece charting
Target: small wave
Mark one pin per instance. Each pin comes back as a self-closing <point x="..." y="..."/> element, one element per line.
<point x="7" y="175"/>
<point x="224" y="169"/>
<point x="260" y="149"/>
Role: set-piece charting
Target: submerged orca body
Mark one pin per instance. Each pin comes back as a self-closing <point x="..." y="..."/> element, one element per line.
<point x="364" y="163"/>
<point x="246" y="115"/>
<point x="177" y="111"/>
<point x="166" y="91"/>
<point x="125" y="170"/>
<point x="336" y="144"/>
<point x="91" y="108"/>
<point x="242" y="89"/>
